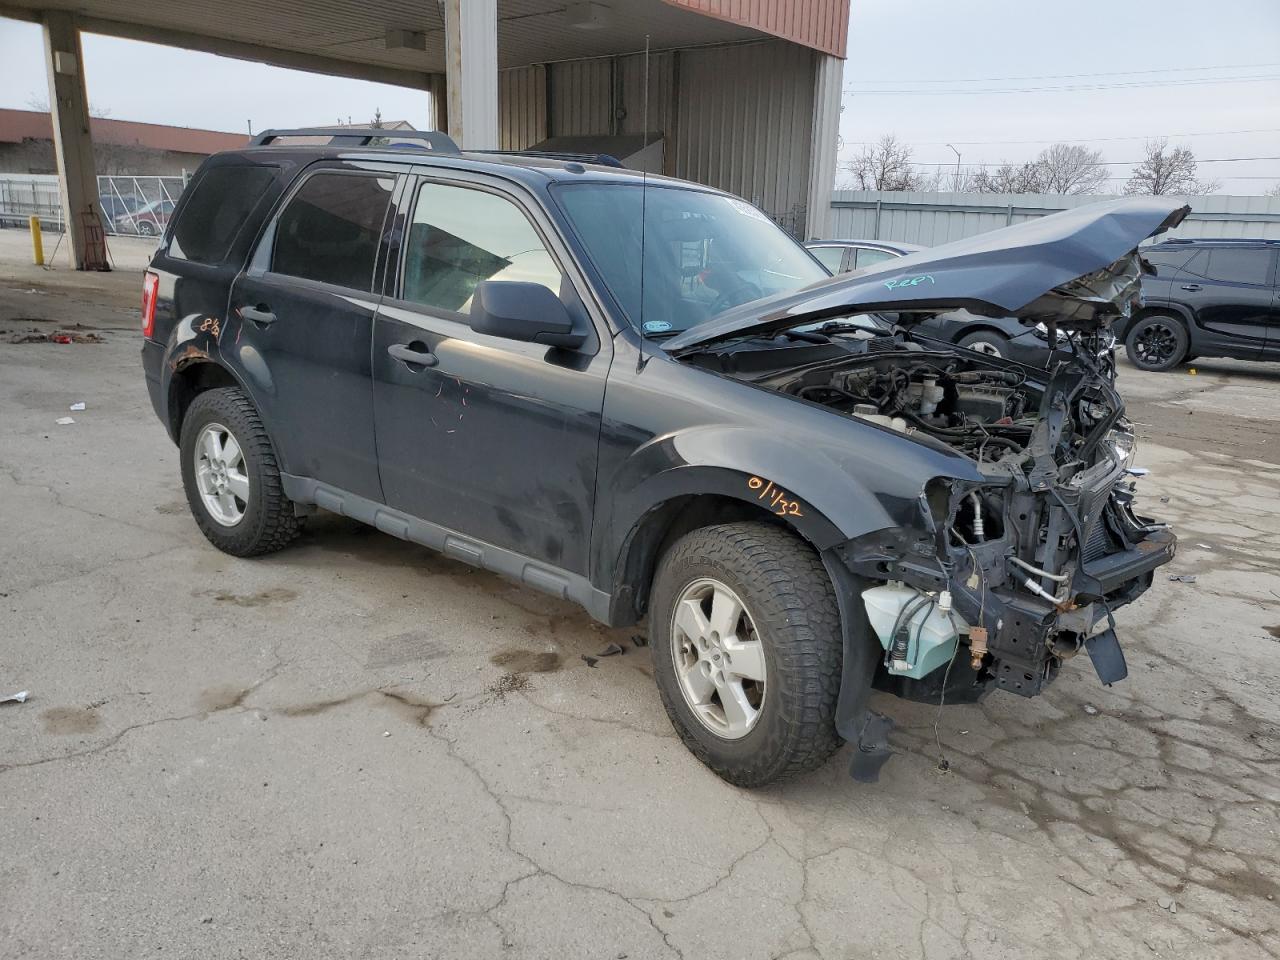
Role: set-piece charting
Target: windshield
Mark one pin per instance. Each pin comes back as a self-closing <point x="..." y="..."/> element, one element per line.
<point x="702" y="252"/>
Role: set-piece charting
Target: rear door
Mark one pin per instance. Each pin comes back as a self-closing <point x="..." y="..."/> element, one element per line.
<point x="1229" y="290"/>
<point x="492" y="438"/>
<point x="304" y="313"/>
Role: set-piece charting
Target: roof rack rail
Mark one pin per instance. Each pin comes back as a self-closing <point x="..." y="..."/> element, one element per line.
<point x="603" y="159"/>
<point x="361" y="137"/>
<point x="1224" y="240"/>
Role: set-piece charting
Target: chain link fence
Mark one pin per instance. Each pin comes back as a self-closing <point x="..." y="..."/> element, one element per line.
<point x="136" y="206"/>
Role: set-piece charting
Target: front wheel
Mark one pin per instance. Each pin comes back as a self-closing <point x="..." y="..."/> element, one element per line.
<point x="231" y="476"/>
<point x="987" y="343"/>
<point x="747" y="651"/>
<point x="1156" y="342"/>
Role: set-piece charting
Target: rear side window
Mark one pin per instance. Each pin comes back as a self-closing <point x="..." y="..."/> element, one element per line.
<point x="829" y="257"/>
<point x="1232" y="266"/>
<point x="867" y="256"/>
<point x="329" y="230"/>
<point x="220" y="202"/>
<point x="461" y="236"/>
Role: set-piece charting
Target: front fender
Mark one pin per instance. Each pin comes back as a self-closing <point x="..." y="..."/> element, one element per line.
<point x="831" y="486"/>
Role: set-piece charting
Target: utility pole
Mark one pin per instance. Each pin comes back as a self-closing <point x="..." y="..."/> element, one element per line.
<point x="955" y="183"/>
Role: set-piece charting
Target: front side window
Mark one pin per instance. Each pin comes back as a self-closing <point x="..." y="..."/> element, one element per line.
<point x="675" y="257"/>
<point x="459" y="237"/>
<point x="329" y="230"/>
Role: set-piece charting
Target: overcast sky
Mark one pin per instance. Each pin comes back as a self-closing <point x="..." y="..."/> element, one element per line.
<point x="927" y="56"/>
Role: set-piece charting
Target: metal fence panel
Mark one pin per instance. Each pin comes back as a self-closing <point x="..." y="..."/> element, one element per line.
<point x="128" y="205"/>
<point x="931" y="219"/>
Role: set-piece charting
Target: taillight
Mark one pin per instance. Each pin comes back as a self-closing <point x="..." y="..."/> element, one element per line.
<point x="150" y="288"/>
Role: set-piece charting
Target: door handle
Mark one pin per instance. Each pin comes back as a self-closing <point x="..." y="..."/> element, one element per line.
<point x="413" y="354"/>
<point x="261" y="314"/>
<point x="1191" y="286"/>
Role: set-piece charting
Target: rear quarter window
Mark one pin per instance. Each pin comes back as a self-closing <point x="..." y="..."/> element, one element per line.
<point x="219" y="204"/>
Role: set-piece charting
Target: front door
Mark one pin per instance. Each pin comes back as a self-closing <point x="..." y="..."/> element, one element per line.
<point x="488" y="437"/>
<point x="305" y="310"/>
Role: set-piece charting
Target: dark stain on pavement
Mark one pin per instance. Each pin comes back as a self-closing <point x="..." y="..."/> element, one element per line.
<point x="259" y="599"/>
<point x="410" y="708"/>
<point x="66" y="721"/>
<point x="527" y="661"/>
<point x="222" y="698"/>
<point x="1274" y="631"/>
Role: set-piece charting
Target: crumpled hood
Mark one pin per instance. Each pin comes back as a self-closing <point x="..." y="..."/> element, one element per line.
<point x="1078" y="269"/>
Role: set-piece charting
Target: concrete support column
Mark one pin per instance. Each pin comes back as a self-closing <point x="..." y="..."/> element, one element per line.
<point x="439" y="94"/>
<point x="471" y="72"/>
<point x="827" y="88"/>
<point x="69" y="109"/>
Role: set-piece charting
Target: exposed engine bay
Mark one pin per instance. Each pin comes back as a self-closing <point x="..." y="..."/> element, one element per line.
<point x="1025" y="568"/>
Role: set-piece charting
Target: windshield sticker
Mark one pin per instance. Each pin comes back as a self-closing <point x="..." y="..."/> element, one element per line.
<point x="748" y="210"/>
<point x="776" y="497"/>
<point x="909" y="281"/>
<point x="656" y="326"/>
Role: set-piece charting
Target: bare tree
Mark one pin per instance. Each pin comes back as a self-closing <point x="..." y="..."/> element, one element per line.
<point x="1071" y="169"/>
<point x="887" y="166"/>
<point x="1274" y="191"/>
<point x="1009" y="178"/>
<point x="1061" y="168"/>
<point x="1168" y="170"/>
<point x="41" y="105"/>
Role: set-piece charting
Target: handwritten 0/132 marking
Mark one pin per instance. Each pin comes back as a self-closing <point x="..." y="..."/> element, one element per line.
<point x="775" y="496"/>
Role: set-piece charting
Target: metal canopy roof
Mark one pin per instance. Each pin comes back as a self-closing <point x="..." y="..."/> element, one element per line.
<point x="349" y="37"/>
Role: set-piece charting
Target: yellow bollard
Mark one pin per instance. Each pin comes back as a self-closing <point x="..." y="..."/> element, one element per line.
<point x="37" y="242"/>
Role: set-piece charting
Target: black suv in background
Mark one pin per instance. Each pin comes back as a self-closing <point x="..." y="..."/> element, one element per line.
<point x="640" y="395"/>
<point x="1206" y="297"/>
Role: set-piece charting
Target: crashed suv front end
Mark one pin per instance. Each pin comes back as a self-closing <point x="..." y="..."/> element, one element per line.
<point x="1017" y="562"/>
<point x="1026" y="567"/>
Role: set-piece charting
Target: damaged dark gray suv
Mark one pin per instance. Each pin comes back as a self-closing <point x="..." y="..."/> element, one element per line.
<point x="641" y="395"/>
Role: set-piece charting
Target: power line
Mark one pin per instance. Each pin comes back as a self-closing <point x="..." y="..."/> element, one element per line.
<point x="1068" y="88"/>
<point x="1077" y="76"/>
<point x="984" y="143"/>
<point x="1098" y="163"/>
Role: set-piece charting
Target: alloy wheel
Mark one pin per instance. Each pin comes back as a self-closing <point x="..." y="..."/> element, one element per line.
<point x="719" y="658"/>
<point x="220" y="474"/>
<point x="1156" y="343"/>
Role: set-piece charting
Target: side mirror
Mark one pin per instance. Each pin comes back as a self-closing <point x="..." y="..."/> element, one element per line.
<point x="518" y="310"/>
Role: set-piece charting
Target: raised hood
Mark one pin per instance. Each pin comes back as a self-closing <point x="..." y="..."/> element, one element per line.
<point x="1078" y="269"/>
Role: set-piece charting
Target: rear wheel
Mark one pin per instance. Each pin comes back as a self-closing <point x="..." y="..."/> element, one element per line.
<point x="231" y="476"/>
<point x="747" y="651"/>
<point x="1156" y="342"/>
<point x="988" y="343"/>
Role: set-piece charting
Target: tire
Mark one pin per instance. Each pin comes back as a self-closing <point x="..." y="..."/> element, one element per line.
<point x="987" y="342"/>
<point x="147" y="229"/>
<point x="1156" y="342"/>
<point x="266" y="520"/>
<point x="791" y="622"/>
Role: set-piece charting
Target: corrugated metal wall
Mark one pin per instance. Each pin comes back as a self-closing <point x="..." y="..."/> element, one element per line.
<point x="737" y="117"/>
<point x="581" y="97"/>
<point x="744" y="121"/>
<point x="522" y="107"/>
<point x="931" y="219"/>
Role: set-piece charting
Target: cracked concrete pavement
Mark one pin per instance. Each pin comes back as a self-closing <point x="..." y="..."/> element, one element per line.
<point x="356" y="748"/>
